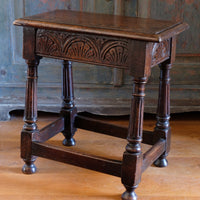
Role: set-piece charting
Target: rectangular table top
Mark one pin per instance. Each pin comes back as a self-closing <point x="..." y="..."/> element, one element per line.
<point x="104" y="24"/>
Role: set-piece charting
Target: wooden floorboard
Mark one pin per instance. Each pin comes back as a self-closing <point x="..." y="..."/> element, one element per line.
<point x="58" y="181"/>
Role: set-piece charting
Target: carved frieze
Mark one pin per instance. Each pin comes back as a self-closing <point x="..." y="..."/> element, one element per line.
<point x="78" y="47"/>
<point x="160" y="52"/>
<point x="114" y="52"/>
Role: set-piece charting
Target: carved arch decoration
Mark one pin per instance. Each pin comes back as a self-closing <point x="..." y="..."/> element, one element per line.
<point x="95" y="49"/>
<point x="115" y="52"/>
<point x="48" y="43"/>
<point x="79" y="47"/>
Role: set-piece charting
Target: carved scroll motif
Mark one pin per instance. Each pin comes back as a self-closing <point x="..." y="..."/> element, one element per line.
<point x="79" y="47"/>
<point x="160" y="52"/>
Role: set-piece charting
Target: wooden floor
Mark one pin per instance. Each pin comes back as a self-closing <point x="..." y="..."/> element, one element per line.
<point x="57" y="181"/>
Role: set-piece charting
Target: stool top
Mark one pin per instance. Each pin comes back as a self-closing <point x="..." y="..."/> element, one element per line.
<point x="104" y="24"/>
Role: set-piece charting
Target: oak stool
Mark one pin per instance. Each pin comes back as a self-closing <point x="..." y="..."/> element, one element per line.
<point x="134" y="44"/>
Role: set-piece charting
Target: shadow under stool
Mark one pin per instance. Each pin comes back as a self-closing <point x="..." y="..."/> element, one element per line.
<point x="134" y="44"/>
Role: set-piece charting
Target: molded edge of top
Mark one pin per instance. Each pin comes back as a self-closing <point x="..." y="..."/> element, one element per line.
<point x="172" y="31"/>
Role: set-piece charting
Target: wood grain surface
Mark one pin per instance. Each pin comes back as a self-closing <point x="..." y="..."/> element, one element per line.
<point x="58" y="181"/>
<point x="104" y="24"/>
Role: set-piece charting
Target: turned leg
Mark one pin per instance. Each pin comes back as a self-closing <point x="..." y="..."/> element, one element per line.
<point x="30" y="118"/>
<point x="132" y="158"/>
<point x="162" y="129"/>
<point x="68" y="110"/>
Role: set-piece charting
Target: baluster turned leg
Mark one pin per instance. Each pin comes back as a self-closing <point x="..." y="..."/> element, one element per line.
<point x="30" y="117"/>
<point x="68" y="110"/>
<point x="132" y="159"/>
<point x="162" y="129"/>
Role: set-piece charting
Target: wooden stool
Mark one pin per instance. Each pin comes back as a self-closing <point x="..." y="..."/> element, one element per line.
<point x="134" y="44"/>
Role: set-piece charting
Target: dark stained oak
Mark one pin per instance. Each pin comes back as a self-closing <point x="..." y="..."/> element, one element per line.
<point x="30" y="118"/>
<point x="68" y="110"/>
<point x="49" y="131"/>
<point x="163" y="129"/>
<point x="128" y="27"/>
<point x="95" y="125"/>
<point x="134" y="44"/>
<point x="112" y="167"/>
<point x="131" y="174"/>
